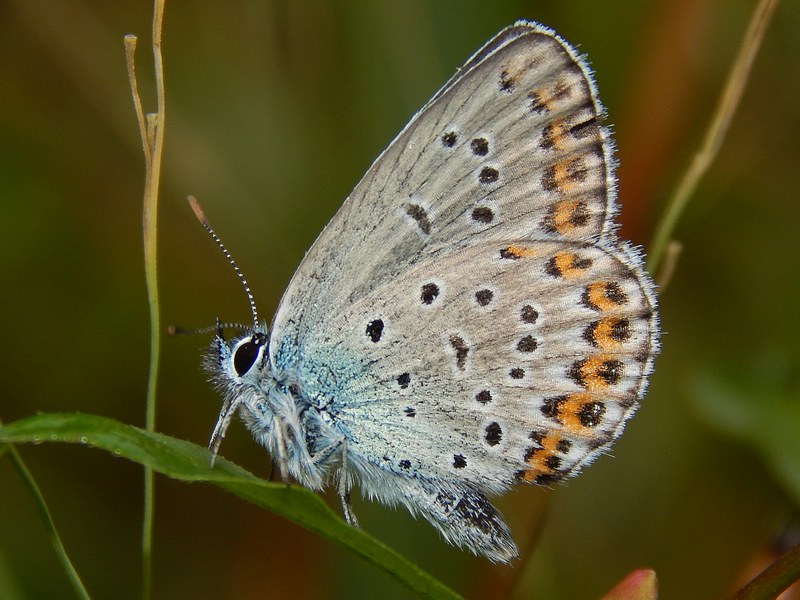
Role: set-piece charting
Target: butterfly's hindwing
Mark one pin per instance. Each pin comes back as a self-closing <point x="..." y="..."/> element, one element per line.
<point x="491" y="361"/>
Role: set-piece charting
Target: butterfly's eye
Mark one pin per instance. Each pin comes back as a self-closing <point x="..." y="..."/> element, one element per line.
<point x="246" y="353"/>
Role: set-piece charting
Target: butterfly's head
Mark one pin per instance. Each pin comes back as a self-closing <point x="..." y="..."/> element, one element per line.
<point x="237" y="361"/>
<point x="235" y="367"/>
<point x="229" y="363"/>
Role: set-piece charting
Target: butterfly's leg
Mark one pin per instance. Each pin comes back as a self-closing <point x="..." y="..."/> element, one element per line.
<point x="347" y="509"/>
<point x="322" y="456"/>
<point x="281" y="446"/>
<point x="345" y="482"/>
<point x="345" y="485"/>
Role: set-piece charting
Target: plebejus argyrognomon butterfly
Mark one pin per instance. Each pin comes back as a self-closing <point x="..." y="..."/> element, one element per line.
<point x="469" y="319"/>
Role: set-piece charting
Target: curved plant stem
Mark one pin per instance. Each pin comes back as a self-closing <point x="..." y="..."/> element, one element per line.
<point x="728" y="102"/>
<point x="151" y="129"/>
<point x="47" y="518"/>
<point x="774" y="579"/>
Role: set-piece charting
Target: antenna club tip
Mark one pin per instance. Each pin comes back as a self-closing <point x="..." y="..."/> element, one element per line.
<point x="204" y="222"/>
<point x="198" y="212"/>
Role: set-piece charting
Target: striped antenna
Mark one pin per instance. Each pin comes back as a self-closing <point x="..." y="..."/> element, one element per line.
<point x="198" y="212"/>
<point x="174" y="330"/>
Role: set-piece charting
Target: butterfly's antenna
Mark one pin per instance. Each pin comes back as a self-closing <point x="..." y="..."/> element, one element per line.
<point x="174" y="330"/>
<point x="198" y="212"/>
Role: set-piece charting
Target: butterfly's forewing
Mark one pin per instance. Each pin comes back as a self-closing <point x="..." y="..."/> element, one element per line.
<point x="511" y="148"/>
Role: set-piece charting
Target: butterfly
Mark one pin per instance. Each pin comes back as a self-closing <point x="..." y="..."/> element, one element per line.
<point x="469" y="319"/>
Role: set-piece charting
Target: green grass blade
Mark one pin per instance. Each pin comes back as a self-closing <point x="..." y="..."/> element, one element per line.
<point x="49" y="524"/>
<point x="715" y="134"/>
<point x="185" y="461"/>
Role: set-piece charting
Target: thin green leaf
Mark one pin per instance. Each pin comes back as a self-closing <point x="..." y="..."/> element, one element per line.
<point x="185" y="461"/>
<point x="47" y="519"/>
<point x="715" y="135"/>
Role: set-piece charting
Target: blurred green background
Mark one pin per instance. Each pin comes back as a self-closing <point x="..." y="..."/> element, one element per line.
<point x="274" y="111"/>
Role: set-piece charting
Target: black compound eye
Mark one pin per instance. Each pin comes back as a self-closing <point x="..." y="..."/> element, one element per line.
<point x="246" y="354"/>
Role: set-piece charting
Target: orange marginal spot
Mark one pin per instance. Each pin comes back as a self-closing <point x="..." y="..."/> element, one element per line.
<point x="538" y="458"/>
<point x="569" y="265"/>
<point x="548" y="98"/>
<point x="517" y="66"/>
<point x="553" y="135"/>
<point x="567" y="215"/>
<point x="520" y="251"/>
<point x="530" y="475"/>
<point x="541" y="100"/>
<point x="599" y="372"/>
<point x="561" y="176"/>
<point x="513" y="72"/>
<point x="566" y="174"/>
<point x="609" y="332"/>
<point x="599" y="296"/>
<point x="570" y="409"/>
